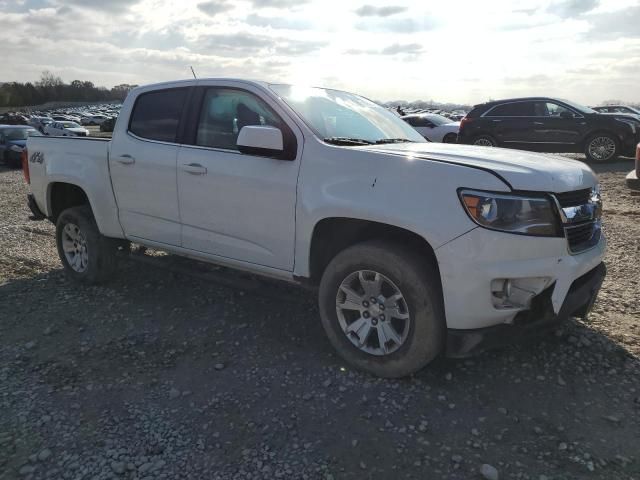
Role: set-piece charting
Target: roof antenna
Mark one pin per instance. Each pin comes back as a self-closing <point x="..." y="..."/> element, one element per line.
<point x="194" y="73"/>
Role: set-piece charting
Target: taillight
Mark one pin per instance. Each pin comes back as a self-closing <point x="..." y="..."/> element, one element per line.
<point x="24" y="157"/>
<point x="465" y="121"/>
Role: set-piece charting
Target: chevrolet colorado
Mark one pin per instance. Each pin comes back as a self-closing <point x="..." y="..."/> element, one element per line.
<point x="416" y="248"/>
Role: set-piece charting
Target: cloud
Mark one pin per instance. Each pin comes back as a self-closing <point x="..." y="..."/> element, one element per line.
<point x="371" y="11"/>
<point x="104" y="5"/>
<point x="393" y="49"/>
<point x="398" y="25"/>
<point x="277" y="3"/>
<point x="251" y="44"/>
<point x="396" y="48"/>
<point x="214" y="7"/>
<point x="624" y="23"/>
<point x="287" y="23"/>
<point x="572" y="8"/>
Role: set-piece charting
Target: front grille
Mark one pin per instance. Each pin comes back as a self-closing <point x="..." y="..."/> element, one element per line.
<point x="580" y="211"/>
<point x="575" y="198"/>
<point x="584" y="236"/>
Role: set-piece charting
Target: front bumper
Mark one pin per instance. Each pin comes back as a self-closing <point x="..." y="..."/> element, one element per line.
<point x="539" y="319"/>
<point x="632" y="180"/>
<point x="470" y="263"/>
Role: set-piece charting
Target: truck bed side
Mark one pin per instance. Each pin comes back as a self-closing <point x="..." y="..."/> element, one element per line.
<point x="82" y="162"/>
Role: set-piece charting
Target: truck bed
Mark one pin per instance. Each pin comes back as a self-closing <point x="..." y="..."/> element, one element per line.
<point x="79" y="161"/>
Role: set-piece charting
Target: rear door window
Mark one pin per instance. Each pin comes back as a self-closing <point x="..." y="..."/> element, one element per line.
<point x="514" y="109"/>
<point x="156" y="115"/>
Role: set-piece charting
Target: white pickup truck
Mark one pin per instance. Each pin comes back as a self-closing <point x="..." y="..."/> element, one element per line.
<point x="416" y="248"/>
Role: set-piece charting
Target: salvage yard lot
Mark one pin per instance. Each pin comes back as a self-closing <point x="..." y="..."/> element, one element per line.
<point x="164" y="374"/>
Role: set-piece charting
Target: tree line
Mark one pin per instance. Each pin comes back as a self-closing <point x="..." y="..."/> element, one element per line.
<point x="51" y="88"/>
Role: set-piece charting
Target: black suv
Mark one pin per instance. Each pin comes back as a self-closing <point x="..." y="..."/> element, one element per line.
<point x="549" y="125"/>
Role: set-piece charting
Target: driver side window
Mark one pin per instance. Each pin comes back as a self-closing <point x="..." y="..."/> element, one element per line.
<point x="225" y="111"/>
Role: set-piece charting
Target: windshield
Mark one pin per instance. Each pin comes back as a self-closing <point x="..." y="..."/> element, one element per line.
<point x="340" y="117"/>
<point x="21" y="133"/>
<point x="70" y="125"/>
<point x="580" y="108"/>
<point x="438" y="119"/>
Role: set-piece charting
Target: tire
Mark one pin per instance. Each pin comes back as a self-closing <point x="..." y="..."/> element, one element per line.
<point x="601" y="147"/>
<point x="485" y="141"/>
<point x="422" y="335"/>
<point x="96" y="254"/>
<point x="450" y="138"/>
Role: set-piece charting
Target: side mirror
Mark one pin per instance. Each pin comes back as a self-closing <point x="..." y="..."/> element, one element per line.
<point x="261" y="140"/>
<point x="566" y="114"/>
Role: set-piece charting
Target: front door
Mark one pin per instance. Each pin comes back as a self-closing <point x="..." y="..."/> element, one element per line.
<point x="142" y="162"/>
<point x="557" y="128"/>
<point x="234" y="205"/>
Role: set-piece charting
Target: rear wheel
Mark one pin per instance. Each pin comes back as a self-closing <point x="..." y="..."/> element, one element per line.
<point x="86" y="255"/>
<point x="450" y="138"/>
<point x="485" y="141"/>
<point x="601" y="147"/>
<point x="381" y="308"/>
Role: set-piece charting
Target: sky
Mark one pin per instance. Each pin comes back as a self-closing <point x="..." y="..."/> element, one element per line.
<point x="463" y="51"/>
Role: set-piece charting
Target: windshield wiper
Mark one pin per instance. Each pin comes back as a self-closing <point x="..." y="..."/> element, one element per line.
<point x="347" y="141"/>
<point x="382" y="141"/>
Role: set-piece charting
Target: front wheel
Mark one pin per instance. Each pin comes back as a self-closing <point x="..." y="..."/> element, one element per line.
<point x="601" y="147"/>
<point x="86" y="255"/>
<point x="381" y="308"/>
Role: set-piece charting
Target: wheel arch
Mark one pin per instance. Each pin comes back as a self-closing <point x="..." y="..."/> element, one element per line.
<point x="333" y="234"/>
<point x="600" y="131"/>
<point x="62" y="195"/>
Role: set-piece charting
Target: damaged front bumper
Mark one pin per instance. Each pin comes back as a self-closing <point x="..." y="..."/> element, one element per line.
<point x="540" y="318"/>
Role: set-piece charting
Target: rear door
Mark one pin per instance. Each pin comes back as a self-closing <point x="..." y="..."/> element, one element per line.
<point x="235" y="205"/>
<point x="142" y="162"/>
<point x="511" y="123"/>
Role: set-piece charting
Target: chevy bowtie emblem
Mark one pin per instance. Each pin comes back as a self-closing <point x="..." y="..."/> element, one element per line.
<point x="37" y="157"/>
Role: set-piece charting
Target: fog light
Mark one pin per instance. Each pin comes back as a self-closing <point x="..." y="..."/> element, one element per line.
<point x="516" y="293"/>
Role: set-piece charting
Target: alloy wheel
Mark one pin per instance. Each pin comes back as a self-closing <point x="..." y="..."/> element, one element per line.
<point x="74" y="245"/>
<point x="372" y="312"/>
<point x="483" y="142"/>
<point x="602" y="148"/>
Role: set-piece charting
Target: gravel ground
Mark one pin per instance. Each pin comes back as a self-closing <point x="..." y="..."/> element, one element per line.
<point x="163" y="374"/>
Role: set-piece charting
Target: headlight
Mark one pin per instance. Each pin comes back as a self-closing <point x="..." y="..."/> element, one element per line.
<point x="16" y="148"/>
<point x="527" y="215"/>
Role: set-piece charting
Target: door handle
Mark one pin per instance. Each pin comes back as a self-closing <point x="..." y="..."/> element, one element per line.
<point x="125" y="159"/>
<point x="538" y="123"/>
<point x="496" y="121"/>
<point x="194" y="169"/>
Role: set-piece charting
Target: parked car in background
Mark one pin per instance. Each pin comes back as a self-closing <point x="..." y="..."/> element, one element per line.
<point x="65" y="118"/>
<point x="39" y="122"/>
<point x="108" y="124"/>
<point x="417" y="248"/>
<point x="544" y="124"/>
<point x="94" y="119"/>
<point x="13" y="119"/>
<point x="618" y="109"/>
<point x="434" y="127"/>
<point x="65" y="129"/>
<point x="13" y="139"/>
<point x="633" y="178"/>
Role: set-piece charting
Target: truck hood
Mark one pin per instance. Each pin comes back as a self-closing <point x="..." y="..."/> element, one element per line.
<point x="519" y="169"/>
